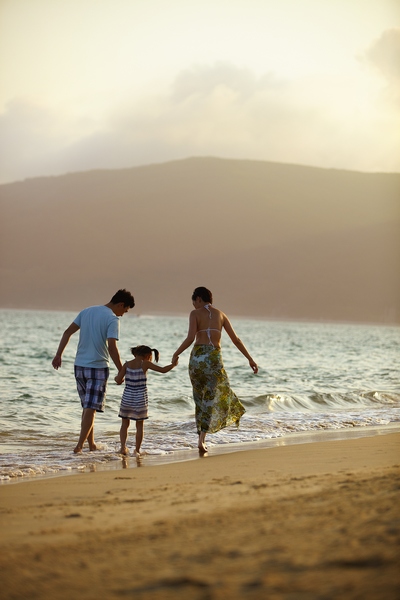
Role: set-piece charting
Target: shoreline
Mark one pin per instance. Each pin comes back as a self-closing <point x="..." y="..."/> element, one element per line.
<point x="180" y="456"/>
<point x="306" y="520"/>
<point x="253" y="317"/>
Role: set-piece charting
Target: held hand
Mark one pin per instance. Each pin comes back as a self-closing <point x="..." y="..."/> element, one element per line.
<point x="56" y="362"/>
<point x="175" y="362"/>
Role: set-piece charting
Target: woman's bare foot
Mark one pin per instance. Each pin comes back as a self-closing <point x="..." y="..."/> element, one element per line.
<point x="202" y="438"/>
<point x="92" y="447"/>
<point x="77" y="449"/>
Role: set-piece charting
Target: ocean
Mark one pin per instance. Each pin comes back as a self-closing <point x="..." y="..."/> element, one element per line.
<point x="312" y="377"/>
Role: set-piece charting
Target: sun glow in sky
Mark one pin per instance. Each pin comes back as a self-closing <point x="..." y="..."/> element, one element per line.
<point x="88" y="84"/>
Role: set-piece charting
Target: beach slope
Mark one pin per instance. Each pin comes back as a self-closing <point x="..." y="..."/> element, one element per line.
<point x="318" y="520"/>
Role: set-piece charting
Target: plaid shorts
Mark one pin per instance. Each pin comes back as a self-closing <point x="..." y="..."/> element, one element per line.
<point x="91" y="384"/>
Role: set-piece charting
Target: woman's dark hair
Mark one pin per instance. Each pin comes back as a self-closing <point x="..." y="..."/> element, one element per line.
<point x="145" y="351"/>
<point x="203" y="293"/>
<point x="125" y="297"/>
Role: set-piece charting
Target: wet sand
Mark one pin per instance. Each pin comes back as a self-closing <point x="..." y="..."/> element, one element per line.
<point x="307" y="521"/>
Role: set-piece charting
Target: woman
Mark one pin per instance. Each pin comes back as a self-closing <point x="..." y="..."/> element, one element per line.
<point x="216" y="404"/>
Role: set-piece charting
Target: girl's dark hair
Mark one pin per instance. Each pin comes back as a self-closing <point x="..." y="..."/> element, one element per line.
<point x="203" y="293"/>
<point x="145" y="351"/>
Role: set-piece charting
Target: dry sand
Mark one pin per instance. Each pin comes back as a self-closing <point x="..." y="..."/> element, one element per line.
<point x="310" y="521"/>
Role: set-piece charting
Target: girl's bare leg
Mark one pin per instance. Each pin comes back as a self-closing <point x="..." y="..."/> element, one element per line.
<point x="202" y="439"/>
<point x="139" y="435"/>
<point x="123" y="434"/>
<point x="87" y="425"/>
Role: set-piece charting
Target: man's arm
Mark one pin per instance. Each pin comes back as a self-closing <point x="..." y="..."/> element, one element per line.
<point x="73" y="328"/>
<point x="114" y="353"/>
<point x="121" y="375"/>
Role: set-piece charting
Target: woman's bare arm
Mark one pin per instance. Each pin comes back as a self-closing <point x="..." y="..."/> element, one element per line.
<point x="238" y="343"/>
<point x="188" y="341"/>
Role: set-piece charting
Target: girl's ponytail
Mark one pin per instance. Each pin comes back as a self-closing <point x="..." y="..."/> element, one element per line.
<point x="144" y="351"/>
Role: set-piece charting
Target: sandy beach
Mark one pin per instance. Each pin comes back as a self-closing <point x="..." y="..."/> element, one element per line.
<point x="318" y="520"/>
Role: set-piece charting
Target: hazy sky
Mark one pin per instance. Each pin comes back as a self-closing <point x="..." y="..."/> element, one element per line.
<point x="118" y="83"/>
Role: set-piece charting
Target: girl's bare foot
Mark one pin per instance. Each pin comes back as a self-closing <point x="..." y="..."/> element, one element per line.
<point x="203" y="449"/>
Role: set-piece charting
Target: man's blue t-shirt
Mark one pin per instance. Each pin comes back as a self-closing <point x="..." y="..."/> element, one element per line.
<point x="97" y="324"/>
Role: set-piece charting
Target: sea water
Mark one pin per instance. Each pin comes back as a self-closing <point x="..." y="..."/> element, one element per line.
<point x="312" y="377"/>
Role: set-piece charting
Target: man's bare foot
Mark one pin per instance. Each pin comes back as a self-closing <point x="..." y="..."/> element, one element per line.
<point x="139" y="452"/>
<point x="92" y="447"/>
<point x="124" y="451"/>
<point x="77" y="449"/>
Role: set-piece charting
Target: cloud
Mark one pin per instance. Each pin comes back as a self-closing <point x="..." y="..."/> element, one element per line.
<point x="21" y="126"/>
<point x="32" y="136"/>
<point x="384" y="55"/>
<point x="210" y="110"/>
<point x="202" y="80"/>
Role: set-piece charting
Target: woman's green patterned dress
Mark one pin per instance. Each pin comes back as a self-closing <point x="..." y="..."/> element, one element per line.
<point x="217" y="406"/>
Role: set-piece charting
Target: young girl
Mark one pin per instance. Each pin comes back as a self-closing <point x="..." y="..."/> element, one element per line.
<point x="134" y="403"/>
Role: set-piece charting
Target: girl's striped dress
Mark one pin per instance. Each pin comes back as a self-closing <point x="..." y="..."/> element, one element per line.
<point x="134" y="403"/>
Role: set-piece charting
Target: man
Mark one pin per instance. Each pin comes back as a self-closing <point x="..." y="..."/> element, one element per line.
<point x="99" y="332"/>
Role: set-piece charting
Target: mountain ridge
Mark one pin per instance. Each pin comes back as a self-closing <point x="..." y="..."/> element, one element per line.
<point x="67" y="241"/>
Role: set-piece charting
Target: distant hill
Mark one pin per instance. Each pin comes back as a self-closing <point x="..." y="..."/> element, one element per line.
<point x="270" y="240"/>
